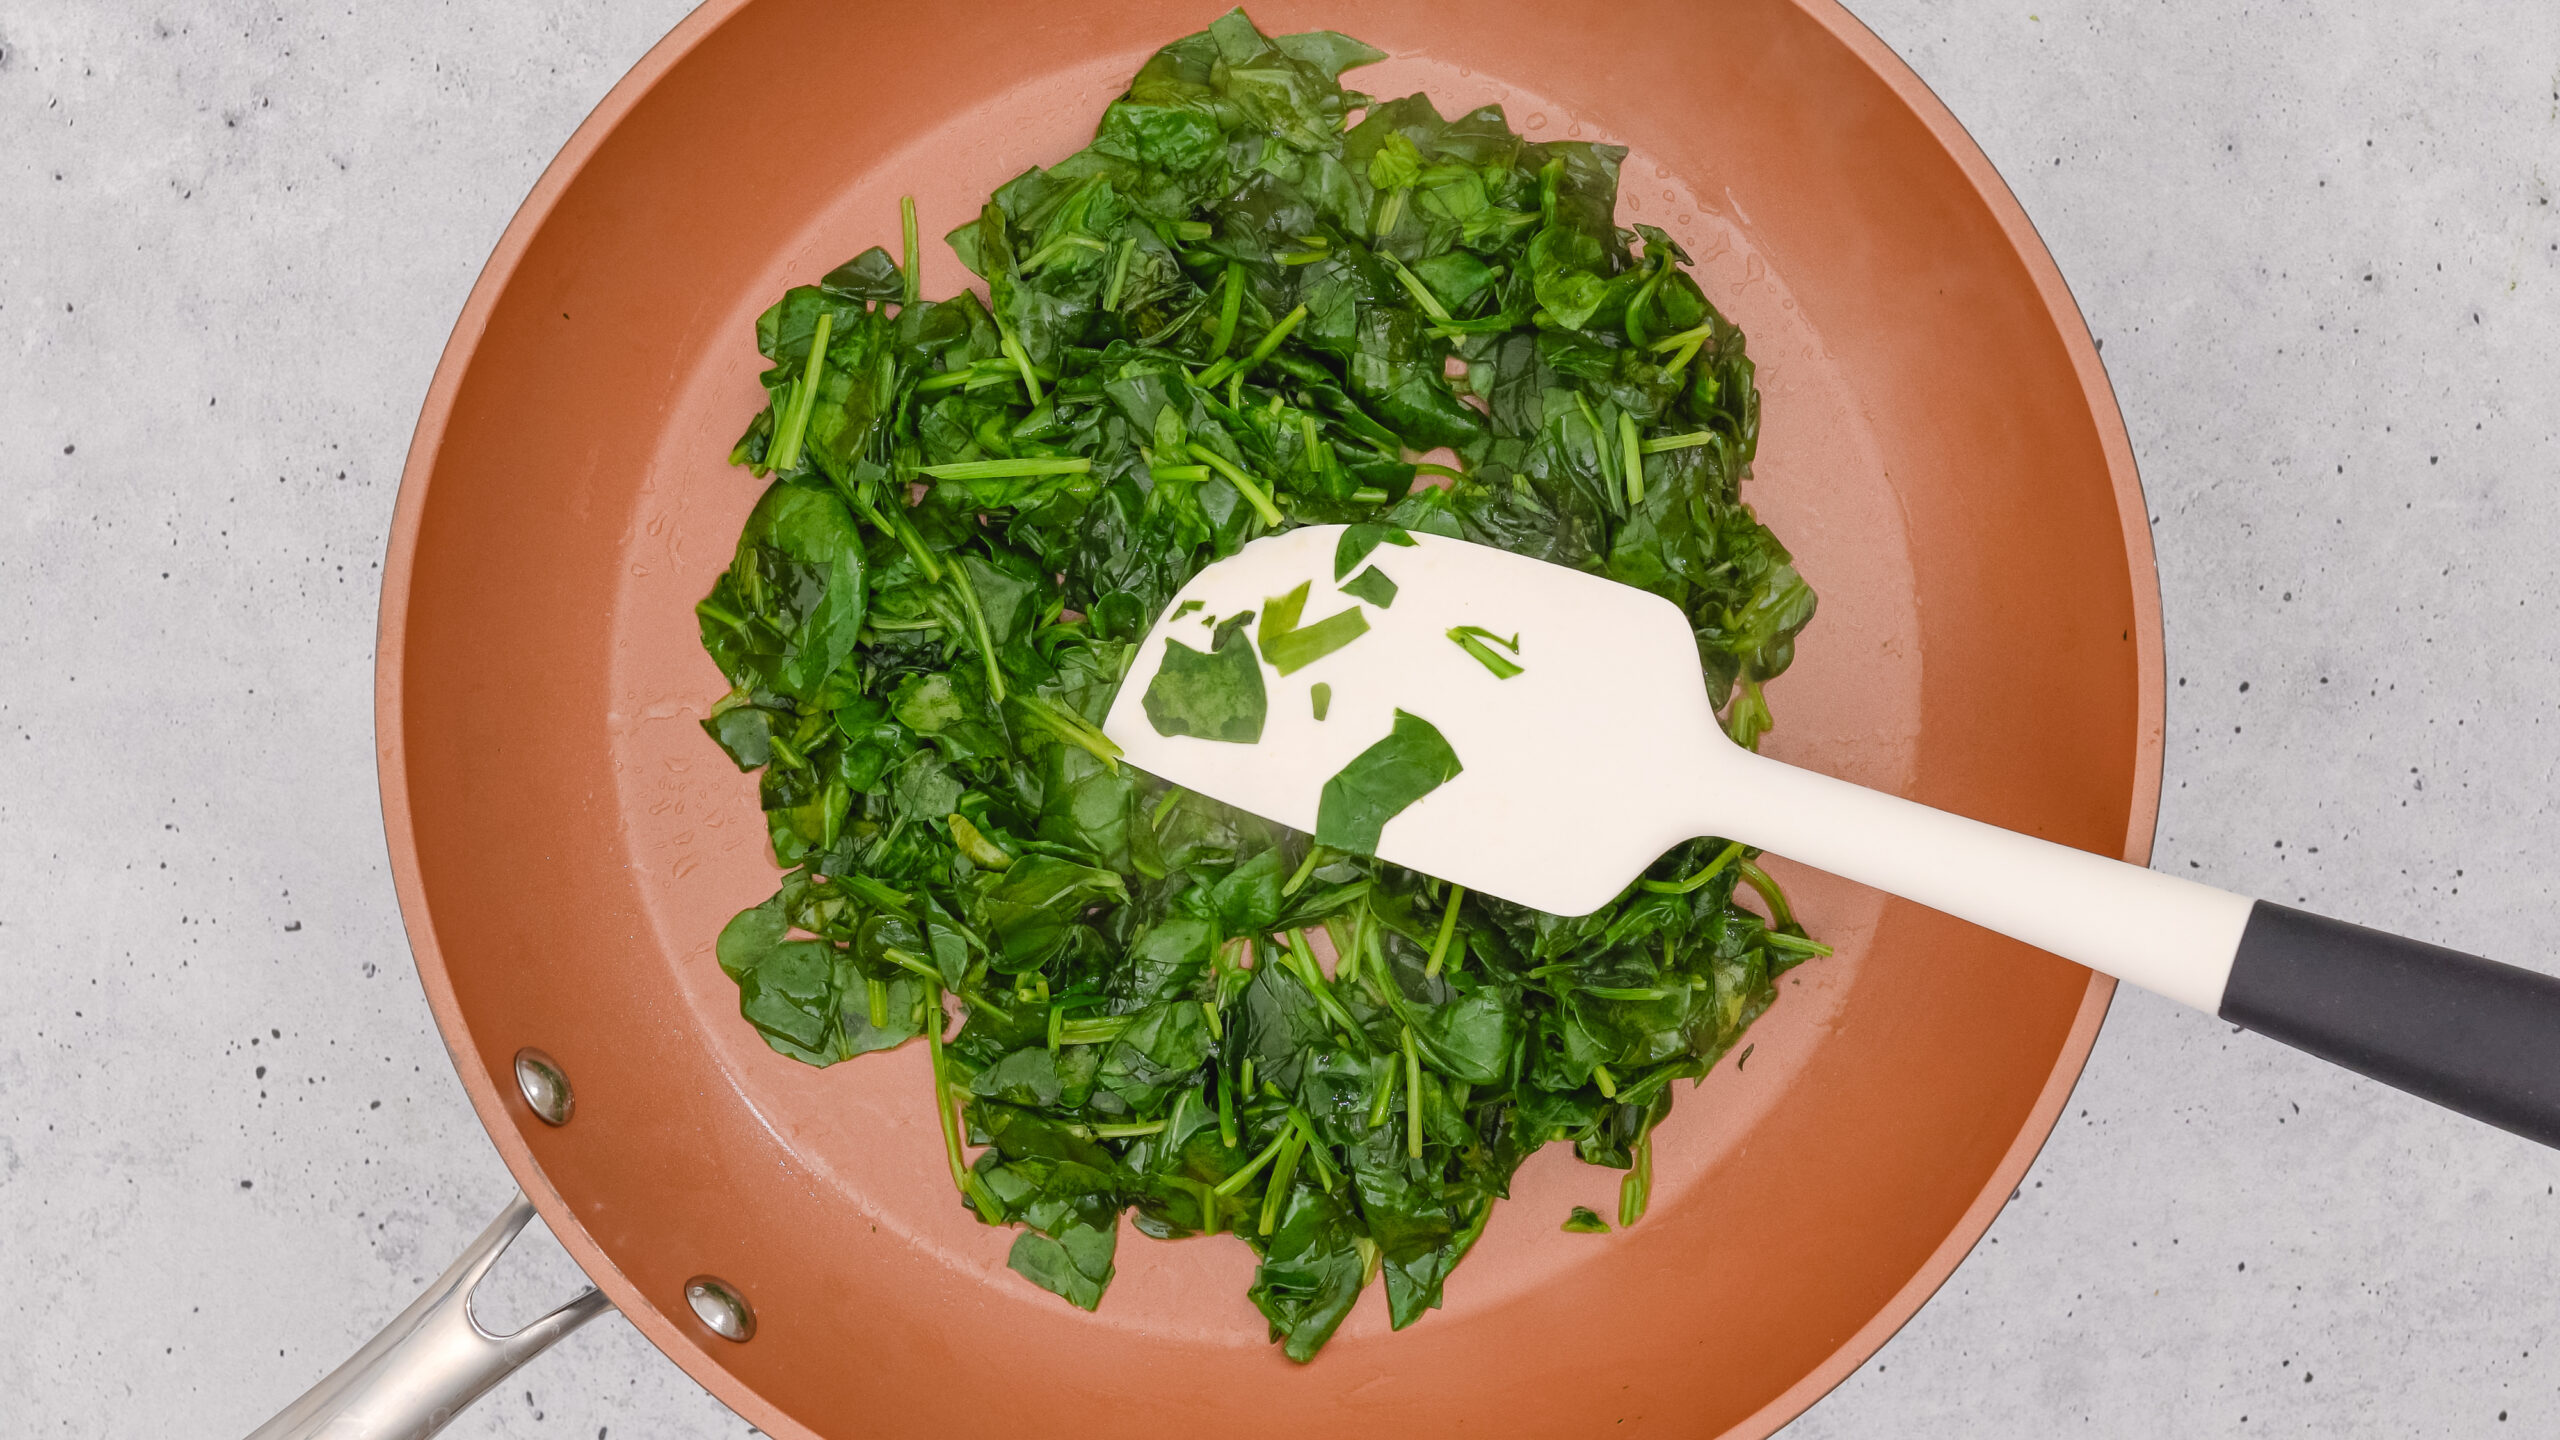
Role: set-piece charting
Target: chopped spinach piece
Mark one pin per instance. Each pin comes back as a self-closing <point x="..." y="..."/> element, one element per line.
<point x="1381" y="782"/>
<point x="1479" y="642"/>
<point x="1074" y="1262"/>
<point x="1585" y="1221"/>
<point x="1215" y="696"/>
<point x="1373" y="586"/>
<point x="1358" y="540"/>
<point x="1320" y="695"/>
<point x="1230" y="315"/>
<point x="1291" y="647"/>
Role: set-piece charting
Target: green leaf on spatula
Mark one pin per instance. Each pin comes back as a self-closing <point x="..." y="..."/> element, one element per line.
<point x="1381" y="781"/>
<point x="1373" y="586"/>
<point x="1358" y="540"/>
<point x="1291" y="647"/>
<point x="1215" y="696"/>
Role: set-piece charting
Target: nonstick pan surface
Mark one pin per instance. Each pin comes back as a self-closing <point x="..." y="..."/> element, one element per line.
<point x="1939" y="448"/>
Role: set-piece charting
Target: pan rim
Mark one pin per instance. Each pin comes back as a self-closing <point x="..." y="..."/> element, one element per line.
<point x="490" y="1103"/>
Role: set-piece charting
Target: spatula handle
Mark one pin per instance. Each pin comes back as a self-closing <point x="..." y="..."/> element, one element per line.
<point x="433" y="1360"/>
<point x="2470" y="1034"/>
<point x="2162" y="933"/>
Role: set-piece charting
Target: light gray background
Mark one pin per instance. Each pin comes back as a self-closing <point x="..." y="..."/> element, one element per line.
<point x="2319" y="245"/>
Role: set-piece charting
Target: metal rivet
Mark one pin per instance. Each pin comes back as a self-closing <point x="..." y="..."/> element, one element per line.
<point x="718" y="1305"/>
<point x="545" y="1086"/>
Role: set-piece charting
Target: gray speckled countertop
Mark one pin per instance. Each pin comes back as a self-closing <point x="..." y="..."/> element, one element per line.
<point x="2319" y="246"/>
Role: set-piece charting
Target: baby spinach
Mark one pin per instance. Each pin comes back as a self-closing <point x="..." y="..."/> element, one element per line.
<point x="1358" y="540"/>
<point x="1373" y="586"/>
<point x="1230" y="315"/>
<point x="1380" y="782"/>
<point x="1216" y="696"/>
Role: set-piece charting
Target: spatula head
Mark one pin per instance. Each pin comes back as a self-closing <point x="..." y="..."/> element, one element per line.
<point x="1576" y="772"/>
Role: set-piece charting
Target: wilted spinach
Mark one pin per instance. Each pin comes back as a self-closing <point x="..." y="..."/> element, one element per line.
<point x="1230" y="314"/>
<point x="1481" y="643"/>
<point x="1216" y="696"/>
<point x="1373" y="586"/>
<point x="1290" y="646"/>
<point x="1414" y="760"/>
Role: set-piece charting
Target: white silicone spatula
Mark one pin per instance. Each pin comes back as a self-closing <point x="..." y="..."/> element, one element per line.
<point x="1602" y="753"/>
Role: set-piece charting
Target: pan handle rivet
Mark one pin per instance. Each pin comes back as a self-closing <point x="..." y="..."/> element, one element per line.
<point x="545" y="1086"/>
<point x="718" y="1305"/>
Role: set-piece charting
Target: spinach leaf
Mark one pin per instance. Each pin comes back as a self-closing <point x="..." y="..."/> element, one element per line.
<point x="1373" y="586"/>
<point x="1358" y="540"/>
<point x="1381" y="781"/>
<point x="1074" y="1262"/>
<point x="1215" y="696"/>
<point x="1028" y="914"/>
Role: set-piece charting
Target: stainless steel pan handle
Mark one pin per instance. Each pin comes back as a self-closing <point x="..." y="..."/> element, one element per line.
<point x="428" y="1365"/>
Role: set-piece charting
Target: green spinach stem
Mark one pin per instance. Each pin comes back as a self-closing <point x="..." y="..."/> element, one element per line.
<point x="1636" y="1191"/>
<point x="1119" y="275"/>
<point x="1008" y="469"/>
<point x="912" y="253"/>
<point x="1385" y="1092"/>
<point x="1695" y="335"/>
<point x="1262" y="351"/>
<point x="1234" y="1184"/>
<point x="1071" y="727"/>
<point x="1634" y="459"/>
<point x="1230" y="306"/>
<point x="1781" y="915"/>
<point x="908" y="539"/>
<point x="1390" y="210"/>
<point x="1302" y="963"/>
<point x="1306" y="867"/>
<point x="710" y="611"/>
<point x="1660" y="443"/>
<point x="1412" y="1096"/>
<point x="1602" y="452"/>
<point x="1448" y="928"/>
<point x="1099" y="1031"/>
<point x="1021" y="359"/>
<point x="978" y="628"/>
<point x="1644" y="297"/>
<point x="1245" y="486"/>
<point x="946" y="1106"/>
<point x="1283" y="1171"/>
<point x="786" y="446"/>
<point x="1420" y="292"/>
<point x="1725" y="857"/>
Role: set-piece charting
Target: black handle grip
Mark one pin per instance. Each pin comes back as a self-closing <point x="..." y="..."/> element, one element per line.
<point x="2470" y="1034"/>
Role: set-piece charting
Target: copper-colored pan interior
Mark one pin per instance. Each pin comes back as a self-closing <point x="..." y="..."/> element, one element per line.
<point x="1939" y="448"/>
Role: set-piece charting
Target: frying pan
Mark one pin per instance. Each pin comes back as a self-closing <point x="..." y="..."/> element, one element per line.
<point x="1940" y="449"/>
